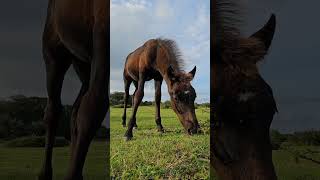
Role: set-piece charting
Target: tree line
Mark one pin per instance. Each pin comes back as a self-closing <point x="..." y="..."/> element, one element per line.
<point x="22" y="116"/>
<point x="117" y="101"/>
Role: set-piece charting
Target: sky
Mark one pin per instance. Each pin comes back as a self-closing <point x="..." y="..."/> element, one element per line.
<point x="187" y="22"/>
<point x="291" y="68"/>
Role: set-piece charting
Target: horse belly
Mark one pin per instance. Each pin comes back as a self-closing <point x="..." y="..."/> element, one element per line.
<point x="75" y="27"/>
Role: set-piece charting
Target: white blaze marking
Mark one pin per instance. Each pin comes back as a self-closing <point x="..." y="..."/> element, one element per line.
<point x="246" y="96"/>
<point x="186" y="92"/>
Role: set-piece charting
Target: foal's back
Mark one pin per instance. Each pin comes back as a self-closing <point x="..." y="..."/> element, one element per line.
<point x="72" y="22"/>
<point x="142" y="59"/>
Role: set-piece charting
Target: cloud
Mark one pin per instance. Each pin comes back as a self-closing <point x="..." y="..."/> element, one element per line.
<point x="164" y="9"/>
<point x="134" y="22"/>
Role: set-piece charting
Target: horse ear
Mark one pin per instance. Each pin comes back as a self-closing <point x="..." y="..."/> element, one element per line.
<point x="192" y="73"/>
<point x="265" y="35"/>
<point x="255" y="47"/>
<point x="171" y="73"/>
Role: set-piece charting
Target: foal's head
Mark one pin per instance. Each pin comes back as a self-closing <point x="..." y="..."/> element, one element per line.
<point x="244" y="105"/>
<point x="183" y="96"/>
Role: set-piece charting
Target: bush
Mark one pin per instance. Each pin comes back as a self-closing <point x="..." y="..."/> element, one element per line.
<point x="35" y="141"/>
<point x="277" y="139"/>
<point x="121" y="106"/>
<point x="166" y="105"/>
<point x="309" y="138"/>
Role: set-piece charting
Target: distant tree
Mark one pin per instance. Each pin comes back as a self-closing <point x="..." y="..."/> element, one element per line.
<point x="166" y="105"/>
<point x="277" y="139"/>
<point x="117" y="98"/>
<point x="310" y="138"/>
<point x="146" y="103"/>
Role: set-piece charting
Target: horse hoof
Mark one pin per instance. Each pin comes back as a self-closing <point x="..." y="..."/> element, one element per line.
<point x="123" y="125"/>
<point x="161" y="131"/>
<point x="135" y="127"/>
<point x="126" y="138"/>
<point x="80" y="177"/>
<point x="45" y="174"/>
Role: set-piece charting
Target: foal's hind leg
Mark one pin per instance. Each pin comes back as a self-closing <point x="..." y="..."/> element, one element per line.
<point x="135" y="126"/>
<point x="157" y="85"/>
<point x="137" y="100"/>
<point x="127" y="83"/>
<point x="57" y="64"/>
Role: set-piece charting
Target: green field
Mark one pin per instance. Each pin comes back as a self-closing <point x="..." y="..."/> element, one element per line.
<point x="172" y="155"/>
<point x="24" y="163"/>
<point x="290" y="168"/>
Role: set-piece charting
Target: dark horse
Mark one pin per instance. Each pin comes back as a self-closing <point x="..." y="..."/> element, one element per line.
<point x="77" y="33"/>
<point x="243" y="102"/>
<point x="159" y="59"/>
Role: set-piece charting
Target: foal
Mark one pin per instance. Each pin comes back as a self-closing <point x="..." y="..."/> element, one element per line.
<point x="159" y="59"/>
<point x="77" y="33"/>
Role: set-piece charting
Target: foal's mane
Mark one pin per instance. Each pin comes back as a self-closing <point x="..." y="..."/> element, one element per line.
<point x="226" y="20"/>
<point x="174" y="53"/>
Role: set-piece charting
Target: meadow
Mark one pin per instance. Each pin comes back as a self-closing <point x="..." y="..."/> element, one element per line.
<point x="171" y="155"/>
<point x="25" y="163"/>
<point x="175" y="155"/>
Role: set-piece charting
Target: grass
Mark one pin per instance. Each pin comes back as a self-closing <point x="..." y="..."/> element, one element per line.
<point x="172" y="155"/>
<point x="25" y="163"/>
<point x="289" y="168"/>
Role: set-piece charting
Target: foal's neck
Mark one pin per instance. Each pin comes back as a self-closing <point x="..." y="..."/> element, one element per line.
<point x="166" y="77"/>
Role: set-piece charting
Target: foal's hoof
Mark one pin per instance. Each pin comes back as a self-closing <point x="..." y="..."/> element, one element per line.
<point x="44" y="176"/>
<point x="161" y="131"/>
<point x="127" y="138"/>
<point x="78" y="177"/>
<point x="124" y="125"/>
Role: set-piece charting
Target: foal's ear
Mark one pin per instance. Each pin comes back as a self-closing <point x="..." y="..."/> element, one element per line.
<point x="254" y="48"/>
<point x="192" y="73"/>
<point x="171" y="73"/>
<point x="265" y="35"/>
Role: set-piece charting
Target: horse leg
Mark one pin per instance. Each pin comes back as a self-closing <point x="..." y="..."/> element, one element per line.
<point x="56" y="67"/>
<point x="94" y="104"/>
<point x="137" y="100"/>
<point x="83" y="71"/>
<point x="135" y="126"/>
<point x="157" y="85"/>
<point x="127" y="83"/>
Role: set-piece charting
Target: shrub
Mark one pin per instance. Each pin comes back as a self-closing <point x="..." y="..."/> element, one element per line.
<point x="277" y="139"/>
<point x="309" y="138"/>
<point x="166" y="105"/>
<point x="35" y="141"/>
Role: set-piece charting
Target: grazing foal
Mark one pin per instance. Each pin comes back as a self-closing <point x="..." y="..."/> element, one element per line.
<point x="159" y="59"/>
<point x="77" y="33"/>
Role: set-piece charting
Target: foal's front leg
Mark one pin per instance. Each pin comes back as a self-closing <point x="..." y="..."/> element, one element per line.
<point x="136" y="102"/>
<point x="157" y="85"/>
